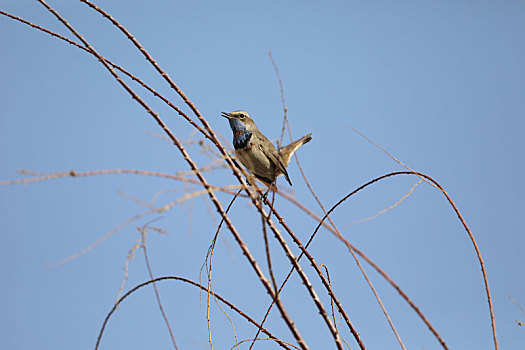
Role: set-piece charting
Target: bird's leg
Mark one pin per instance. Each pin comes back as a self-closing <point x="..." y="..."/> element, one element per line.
<point x="251" y="180"/>
<point x="271" y="187"/>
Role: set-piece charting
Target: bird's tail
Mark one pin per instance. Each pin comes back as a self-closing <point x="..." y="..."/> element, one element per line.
<point x="287" y="152"/>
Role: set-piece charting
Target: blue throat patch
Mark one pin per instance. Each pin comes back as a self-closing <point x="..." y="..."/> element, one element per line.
<point x="241" y="136"/>
<point x="242" y="141"/>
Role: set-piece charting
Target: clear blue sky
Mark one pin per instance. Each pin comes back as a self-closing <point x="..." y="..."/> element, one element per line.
<point x="440" y="84"/>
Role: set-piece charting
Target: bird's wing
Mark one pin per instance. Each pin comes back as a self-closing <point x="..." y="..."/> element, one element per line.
<point x="273" y="156"/>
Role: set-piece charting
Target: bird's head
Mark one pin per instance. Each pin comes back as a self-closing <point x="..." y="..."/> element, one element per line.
<point x="240" y="121"/>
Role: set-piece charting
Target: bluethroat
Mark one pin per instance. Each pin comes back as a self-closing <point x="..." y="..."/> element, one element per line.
<point x="256" y="152"/>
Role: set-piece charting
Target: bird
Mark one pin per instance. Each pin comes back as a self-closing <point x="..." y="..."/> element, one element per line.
<point x="257" y="153"/>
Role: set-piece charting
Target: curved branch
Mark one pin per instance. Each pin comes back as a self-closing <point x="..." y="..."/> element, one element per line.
<point x="188" y="281"/>
<point x="465" y="226"/>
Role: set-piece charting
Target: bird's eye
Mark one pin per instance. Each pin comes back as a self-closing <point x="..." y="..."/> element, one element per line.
<point x="241" y="115"/>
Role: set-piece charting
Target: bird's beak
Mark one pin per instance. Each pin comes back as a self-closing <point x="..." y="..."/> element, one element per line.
<point x="225" y="115"/>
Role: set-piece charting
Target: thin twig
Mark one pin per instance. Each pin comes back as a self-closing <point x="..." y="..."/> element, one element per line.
<point x="331" y="301"/>
<point x="381" y="212"/>
<point x="268" y="255"/>
<point x="99" y="240"/>
<point x="142" y="231"/>
<point x="389" y="154"/>
<point x="520" y="307"/>
<point x="209" y="255"/>
<point x="516" y="303"/>
<point x="246" y="340"/>
<point x="73" y="173"/>
<point x="131" y="255"/>
<point x="283" y="101"/>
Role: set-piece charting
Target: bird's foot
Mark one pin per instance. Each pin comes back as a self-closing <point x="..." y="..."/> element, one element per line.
<point x="264" y="197"/>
